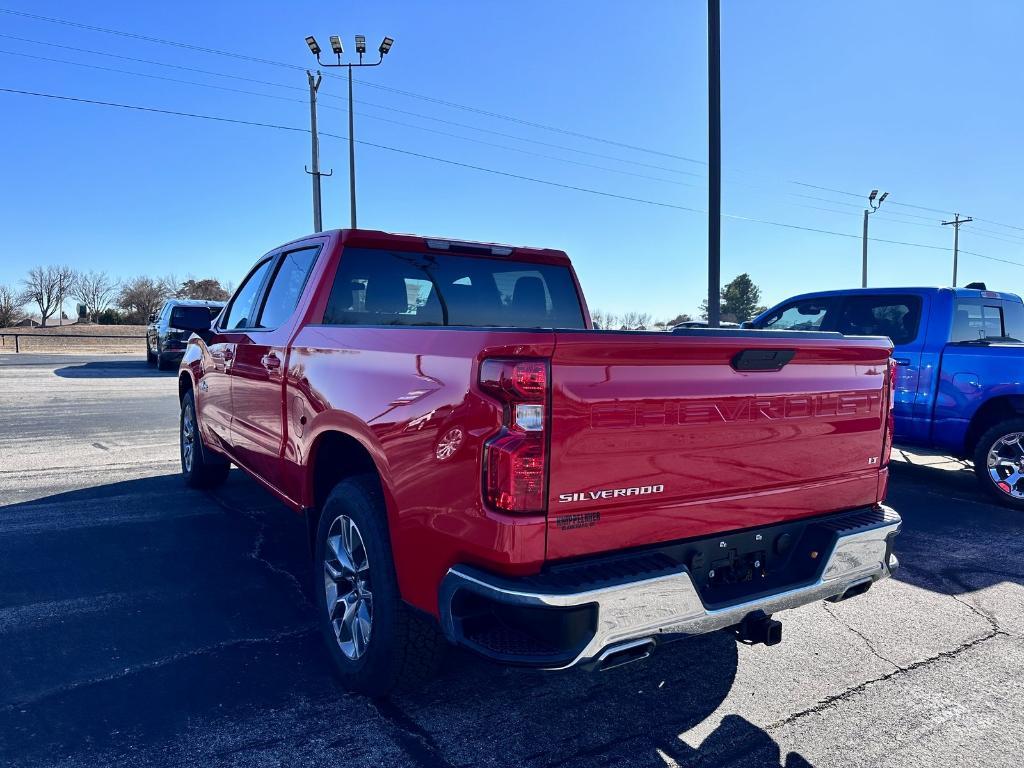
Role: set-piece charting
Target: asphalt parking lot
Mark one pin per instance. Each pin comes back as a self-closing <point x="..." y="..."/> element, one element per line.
<point x="145" y="624"/>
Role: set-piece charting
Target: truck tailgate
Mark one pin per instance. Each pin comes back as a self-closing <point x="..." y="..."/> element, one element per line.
<point x="658" y="437"/>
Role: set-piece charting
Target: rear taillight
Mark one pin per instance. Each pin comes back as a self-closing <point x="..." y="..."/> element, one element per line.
<point x="890" y="419"/>
<point x="515" y="460"/>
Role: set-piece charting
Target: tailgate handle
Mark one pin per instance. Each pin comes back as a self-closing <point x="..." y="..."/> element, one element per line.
<point x="762" y="359"/>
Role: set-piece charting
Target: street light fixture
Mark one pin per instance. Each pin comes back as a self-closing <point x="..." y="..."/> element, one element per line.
<point x="873" y="205"/>
<point x="338" y="49"/>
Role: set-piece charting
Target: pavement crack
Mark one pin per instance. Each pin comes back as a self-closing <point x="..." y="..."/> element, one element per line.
<point x="255" y="552"/>
<point x="417" y="742"/>
<point x="831" y="701"/>
<point x="157" y="663"/>
<point x="867" y="642"/>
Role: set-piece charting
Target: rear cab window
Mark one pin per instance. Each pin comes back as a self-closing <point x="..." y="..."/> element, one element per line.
<point x="382" y="287"/>
<point x="193" y="316"/>
<point x="987" y="320"/>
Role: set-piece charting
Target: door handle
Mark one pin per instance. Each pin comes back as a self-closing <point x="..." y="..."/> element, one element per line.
<point x="901" y="361"/>
<point x="271" y="361"/>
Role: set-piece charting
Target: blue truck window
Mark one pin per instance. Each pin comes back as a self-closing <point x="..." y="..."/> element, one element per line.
<point x="974" y="321"/>
<point x="897" y="317"/>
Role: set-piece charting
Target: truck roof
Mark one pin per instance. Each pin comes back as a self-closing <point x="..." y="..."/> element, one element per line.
<point x="373" y="238"/>
<point x="964" y="293"/>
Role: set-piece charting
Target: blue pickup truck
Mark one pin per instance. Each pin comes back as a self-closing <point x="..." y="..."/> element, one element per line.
<point x="960" y="367"/>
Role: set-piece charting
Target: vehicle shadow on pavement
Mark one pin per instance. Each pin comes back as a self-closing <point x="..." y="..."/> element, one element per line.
<point x="110" y="369"/>
<point x="945" y="511"/>
<point x="142" y="623"/>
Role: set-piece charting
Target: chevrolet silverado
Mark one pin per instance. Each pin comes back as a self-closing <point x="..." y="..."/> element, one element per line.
<point x="477" y="464"/>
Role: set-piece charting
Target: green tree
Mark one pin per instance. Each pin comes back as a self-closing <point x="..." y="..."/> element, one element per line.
<point x="739" y="300"/>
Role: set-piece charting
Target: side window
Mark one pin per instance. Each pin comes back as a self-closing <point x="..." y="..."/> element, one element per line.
<point x="379" y="288"/>
<point x="802" y="316"/>
<point x="240" y="311"/>
<point x="290" y="279"/>
<point x="974" y="321"/>
<point x="1013" y="320"/>
<point x="897" y="317"/>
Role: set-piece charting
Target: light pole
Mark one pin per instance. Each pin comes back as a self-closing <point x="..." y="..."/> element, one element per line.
<point x="873" y="205"/>
<point x="714" y="163"/>
<point x="338" y="50"/>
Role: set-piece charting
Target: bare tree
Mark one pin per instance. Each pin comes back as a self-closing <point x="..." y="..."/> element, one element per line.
<point x="10" y="307"/>
<point x="42" y="288"/>
<point x="208" y="289"/>
<point x="65" y="277"/>
<point x="96" y="290"/>
<point x="142" y="296"/>
<point x="636" y="321"/>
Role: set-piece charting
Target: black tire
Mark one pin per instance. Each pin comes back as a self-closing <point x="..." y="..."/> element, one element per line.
<point x="403" y="648"/>
<point x="162" y="363"/>
<point x="981" y="451"/>
<point x="150" y="357"/>
<point x="205" y="469"/>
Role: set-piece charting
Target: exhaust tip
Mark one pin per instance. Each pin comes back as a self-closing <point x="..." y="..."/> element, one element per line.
<point x="854" y="591"/>
<point x="624" y="653"/>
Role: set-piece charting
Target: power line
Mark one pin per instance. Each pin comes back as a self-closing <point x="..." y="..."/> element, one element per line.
<point x="342" y="109"/>
<point x="147" y="38"/>
<point x="535" y="180"/>
<point x="439" y="101"/>
<point x="330" y="96"/>
<point x="432" y="99"/>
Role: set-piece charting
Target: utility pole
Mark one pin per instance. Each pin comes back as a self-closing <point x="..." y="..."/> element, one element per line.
<point x="314" y="84"/>
<point x="338" y="50"/>
<point x="956" y="222"/>
<point x="872" y="207"/>
<point x="714" y="163"/>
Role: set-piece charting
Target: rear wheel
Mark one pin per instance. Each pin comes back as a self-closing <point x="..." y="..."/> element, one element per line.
<point x="162" y="363"/>
<point x="999" y="462"/>
<point x="377" y="643"/>
<point x="200" y="467"/>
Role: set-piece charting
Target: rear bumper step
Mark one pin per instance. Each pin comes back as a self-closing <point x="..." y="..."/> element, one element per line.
<point x="618" y="610"/>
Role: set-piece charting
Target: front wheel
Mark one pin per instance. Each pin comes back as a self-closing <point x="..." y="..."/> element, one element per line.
<point x="999" y="462"/>
<point x="375" y="640"/>
<point x="200" y="467"/>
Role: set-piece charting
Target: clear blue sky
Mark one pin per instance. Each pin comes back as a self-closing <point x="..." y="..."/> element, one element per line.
<point x="919" y="98"/>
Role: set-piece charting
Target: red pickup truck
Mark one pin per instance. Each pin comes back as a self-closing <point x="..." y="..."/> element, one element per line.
<point x="476" y="463"/>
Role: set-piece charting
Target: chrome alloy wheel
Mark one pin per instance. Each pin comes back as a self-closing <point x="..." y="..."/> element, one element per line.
<point x="1006" y="464"/>
<point x="188" y="437"/>
<point x="347" y="587"/>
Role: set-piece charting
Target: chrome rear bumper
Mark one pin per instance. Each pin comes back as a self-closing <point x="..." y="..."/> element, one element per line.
<point x="668" y="605"/>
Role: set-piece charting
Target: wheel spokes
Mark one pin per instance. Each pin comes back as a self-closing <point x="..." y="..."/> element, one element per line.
<point x="348" y="596"/>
